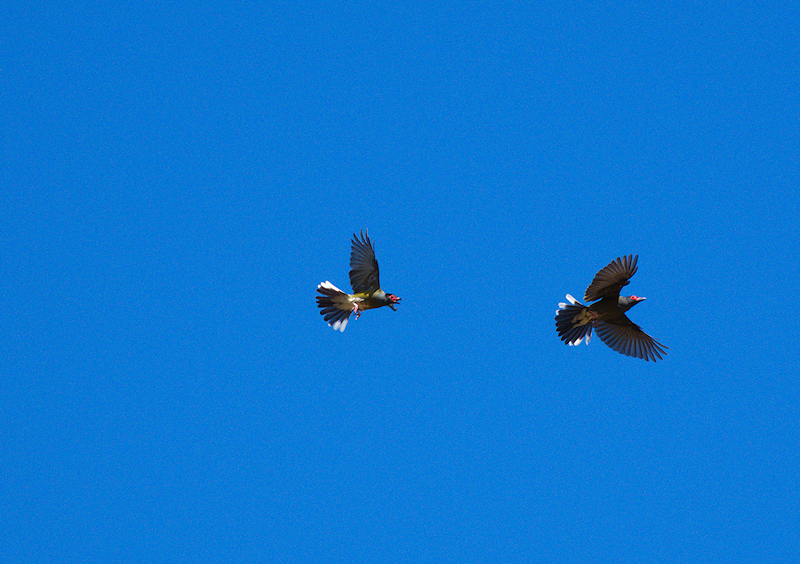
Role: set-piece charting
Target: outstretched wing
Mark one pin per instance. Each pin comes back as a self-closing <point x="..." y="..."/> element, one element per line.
<point x="364" y="267"/>
<point x="609" y="281"/>
<point x="624" y="336"/>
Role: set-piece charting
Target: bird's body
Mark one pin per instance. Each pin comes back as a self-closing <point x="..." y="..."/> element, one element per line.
<point x="575" y="321"/>
<point x="337" y="306"/>
<point x="371" y="300"/>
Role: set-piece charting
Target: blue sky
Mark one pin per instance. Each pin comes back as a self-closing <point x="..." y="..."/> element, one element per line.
<point x="177" y="180"/>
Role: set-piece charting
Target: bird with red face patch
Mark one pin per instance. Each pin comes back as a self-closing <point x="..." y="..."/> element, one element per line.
<point x="337" y="306"/>
<point x="575" y="321"/>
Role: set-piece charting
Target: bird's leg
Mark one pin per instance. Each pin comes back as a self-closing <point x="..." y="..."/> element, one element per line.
<point x="355" y="310"/>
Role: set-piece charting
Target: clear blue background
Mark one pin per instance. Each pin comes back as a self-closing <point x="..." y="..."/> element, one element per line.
<point x="178" y="178"/>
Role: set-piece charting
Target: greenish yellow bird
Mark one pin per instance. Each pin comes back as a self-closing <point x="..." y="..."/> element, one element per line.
<point x="337" y="306"/>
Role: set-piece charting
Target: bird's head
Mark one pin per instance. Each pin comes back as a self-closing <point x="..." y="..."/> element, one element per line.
<point x="394" y="299"/>
<point x="628" y="302"/>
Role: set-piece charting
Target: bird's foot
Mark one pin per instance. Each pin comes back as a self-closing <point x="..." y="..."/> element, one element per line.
<point x="355" y="310"/>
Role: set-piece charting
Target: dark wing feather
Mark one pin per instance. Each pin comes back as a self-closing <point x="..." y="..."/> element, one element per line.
<point x="608" y="282"/>
<point x="364" y="267"/>
<point x="624" y="336"/>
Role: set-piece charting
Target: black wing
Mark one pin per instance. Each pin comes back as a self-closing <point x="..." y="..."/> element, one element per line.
<point x="364" y="267"/>
<point x="609" y="281"/>
<point x="624" y="336"/>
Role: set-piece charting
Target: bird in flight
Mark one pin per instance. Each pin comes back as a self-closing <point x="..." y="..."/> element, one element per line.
<point x="337" y="306"/>
<point x="575" y="321"/>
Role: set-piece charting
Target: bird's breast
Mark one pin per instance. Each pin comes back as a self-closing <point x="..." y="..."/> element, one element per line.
<point x="366" y="301"/>
<point x="605" y="309"/>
